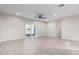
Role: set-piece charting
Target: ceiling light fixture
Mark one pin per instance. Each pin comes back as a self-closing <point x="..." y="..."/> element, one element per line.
<point x="55" y="15"/>
<point x="17" y="13"/>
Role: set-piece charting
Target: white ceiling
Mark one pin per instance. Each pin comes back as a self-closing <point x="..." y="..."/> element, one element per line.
<point x="48" y="10"/>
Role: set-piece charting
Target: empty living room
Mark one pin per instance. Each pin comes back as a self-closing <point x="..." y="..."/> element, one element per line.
<point x="39" y="29"/>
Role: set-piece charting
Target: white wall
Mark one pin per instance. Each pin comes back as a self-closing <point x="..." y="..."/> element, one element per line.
<point x="0" y="27"/>
<point x="51" y="27"/>
<point x="12" y="28"/>
<point x="54" y="29"/>
<point x="58" y="29"/>
<point x="70" y="28"/>
<point x="41" y="28"/>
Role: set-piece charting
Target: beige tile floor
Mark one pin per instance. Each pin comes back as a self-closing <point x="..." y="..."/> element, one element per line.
<point x="39" y="46"/>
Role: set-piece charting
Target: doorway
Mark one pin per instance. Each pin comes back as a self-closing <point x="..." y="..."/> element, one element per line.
<point x="58" y="29"/>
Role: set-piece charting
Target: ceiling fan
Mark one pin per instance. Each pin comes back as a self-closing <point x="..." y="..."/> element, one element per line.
<point x="40" y="16"/>
<point x="61" y="5"/>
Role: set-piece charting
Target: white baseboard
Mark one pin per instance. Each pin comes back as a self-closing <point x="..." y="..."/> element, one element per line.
<point x="10" y="39"/>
